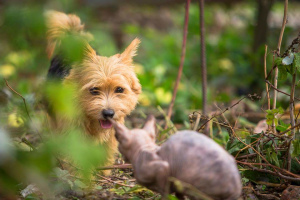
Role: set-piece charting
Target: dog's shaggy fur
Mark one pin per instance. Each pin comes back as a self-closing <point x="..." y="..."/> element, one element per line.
<point x="106" y="87"/>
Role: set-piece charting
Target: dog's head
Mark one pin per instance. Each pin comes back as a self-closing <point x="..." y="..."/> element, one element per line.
<point x="108" y="86"/>
<point x="131" y="141"/>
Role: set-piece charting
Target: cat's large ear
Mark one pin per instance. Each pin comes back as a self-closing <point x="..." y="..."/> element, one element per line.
<point x="130" y="52"/>
<point x="150" y="126"/>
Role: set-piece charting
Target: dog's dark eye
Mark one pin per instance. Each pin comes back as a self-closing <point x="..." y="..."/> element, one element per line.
<point x="94" y="91"/>
<point x="119" y="90"/>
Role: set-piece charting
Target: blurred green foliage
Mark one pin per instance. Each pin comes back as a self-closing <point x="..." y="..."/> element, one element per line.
<point x="28" y="145"/>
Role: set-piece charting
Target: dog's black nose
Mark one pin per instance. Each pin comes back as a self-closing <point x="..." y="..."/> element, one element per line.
<point x="108" y="113"/>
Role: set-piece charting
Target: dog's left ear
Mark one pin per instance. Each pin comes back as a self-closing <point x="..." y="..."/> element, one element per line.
<point x="130" y="51"/>
<point x="150" y="126"/>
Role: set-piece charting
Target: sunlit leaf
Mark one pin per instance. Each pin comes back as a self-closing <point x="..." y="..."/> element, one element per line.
<point x="62" y="99"/>
<point x="14" y="120"/>
<point x="288" y="59"/>
<point x="7" y="70"/>
<point x="162" y="95"/>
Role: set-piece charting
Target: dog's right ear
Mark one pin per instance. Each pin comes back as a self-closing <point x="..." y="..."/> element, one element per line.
<point x="130" y="52"/>
<point x="122" y="133"/>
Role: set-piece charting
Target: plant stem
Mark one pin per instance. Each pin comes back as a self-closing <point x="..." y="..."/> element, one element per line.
<point x="278" y="53"/>
<point x="292" y="108"/>
<point x="185" y="31"/>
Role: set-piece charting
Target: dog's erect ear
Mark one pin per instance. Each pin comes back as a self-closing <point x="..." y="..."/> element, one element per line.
<point x="150" y="126"/>
<point x="130" y="51"/>
<point x="122" y="133"/>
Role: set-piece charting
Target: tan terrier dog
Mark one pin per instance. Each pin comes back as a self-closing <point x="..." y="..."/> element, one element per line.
<point x="107" y="86"/>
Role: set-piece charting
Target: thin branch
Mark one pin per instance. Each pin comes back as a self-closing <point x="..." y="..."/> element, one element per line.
<point x="292" y="116"/>
<point x="24" y="101"/>
<point x="203" y="62"/>
<point x="265" y="68"/>
<point x="115" y="182"/>
<point x="278" y="54"/>
<point x="124" y="166"/>
<point x="280" y="90"/>
<point x="222" y="112"/>
<point x="273" y="166"/>
<point x="269" y="171"/>
<point x="197" y="121"/>
<point x="183" y="49"/>
<point x="295" y="41"/>
<point x="235" y="135"/>
<point x="246" y="147"/>
<point x="289" y="129"/>
<point x="283" y="26"/>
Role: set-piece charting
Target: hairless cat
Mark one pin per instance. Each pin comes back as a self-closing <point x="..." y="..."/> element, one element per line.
<point x="188" y="156"/>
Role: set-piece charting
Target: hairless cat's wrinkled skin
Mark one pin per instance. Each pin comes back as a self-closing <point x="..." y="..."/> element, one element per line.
<point x="188" y="156"/>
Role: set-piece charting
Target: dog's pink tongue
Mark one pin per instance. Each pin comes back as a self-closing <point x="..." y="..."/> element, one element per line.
<point x="105" y="123"/>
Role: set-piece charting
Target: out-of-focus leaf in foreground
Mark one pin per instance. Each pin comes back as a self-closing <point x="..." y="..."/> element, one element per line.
<point x="79" y="149"/>
<point x="62" y="99"/>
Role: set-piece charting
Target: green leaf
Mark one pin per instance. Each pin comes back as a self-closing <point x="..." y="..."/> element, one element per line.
<point x="282" y="126"/>
<point x="62" y="101"/>
<point x="79" y="184"/>
<point x="275" y="158"/>
<point x="80" y="149"/>
<point x="291" y="69"/>
<point x="296" y="62"/>
<point x="234" y="146"/>
<point x="171" y="197"/>
<point x="272" y="115"/>
<point x="288" y="59"/>
<point x="282" y="72"/>
<point x="256" y="176"/>
<point x="278" y="61"/>
<point x="296" y="150"/>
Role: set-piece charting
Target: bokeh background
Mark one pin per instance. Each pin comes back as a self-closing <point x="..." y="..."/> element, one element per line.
<point x="236" y="32"/>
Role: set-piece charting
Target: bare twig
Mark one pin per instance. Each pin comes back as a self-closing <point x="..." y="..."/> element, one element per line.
<point x="25" y="105"/>
<point x="235" y="135"/>
<point x="272" y="86"/>
<point x="269" y="171"/>
<point x="203" y="62"/>
<point x="115" y="182"/>
<point x="186" y="20"/>
<point x="265" y="196"/>
<point x="19" y="96"/>
<point x="292" y="116"/>
<point x="124" y="166"/>
<point x="220" y="113"/>
<point x="265" y="68"/>
<point x="273" y="166"/>
<point x="248" y="146"/>
<point x="283" y="26"/>
<point x="197" y="121"/>
<point x="295" y="41"/>
<point x="278" y="54"/>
